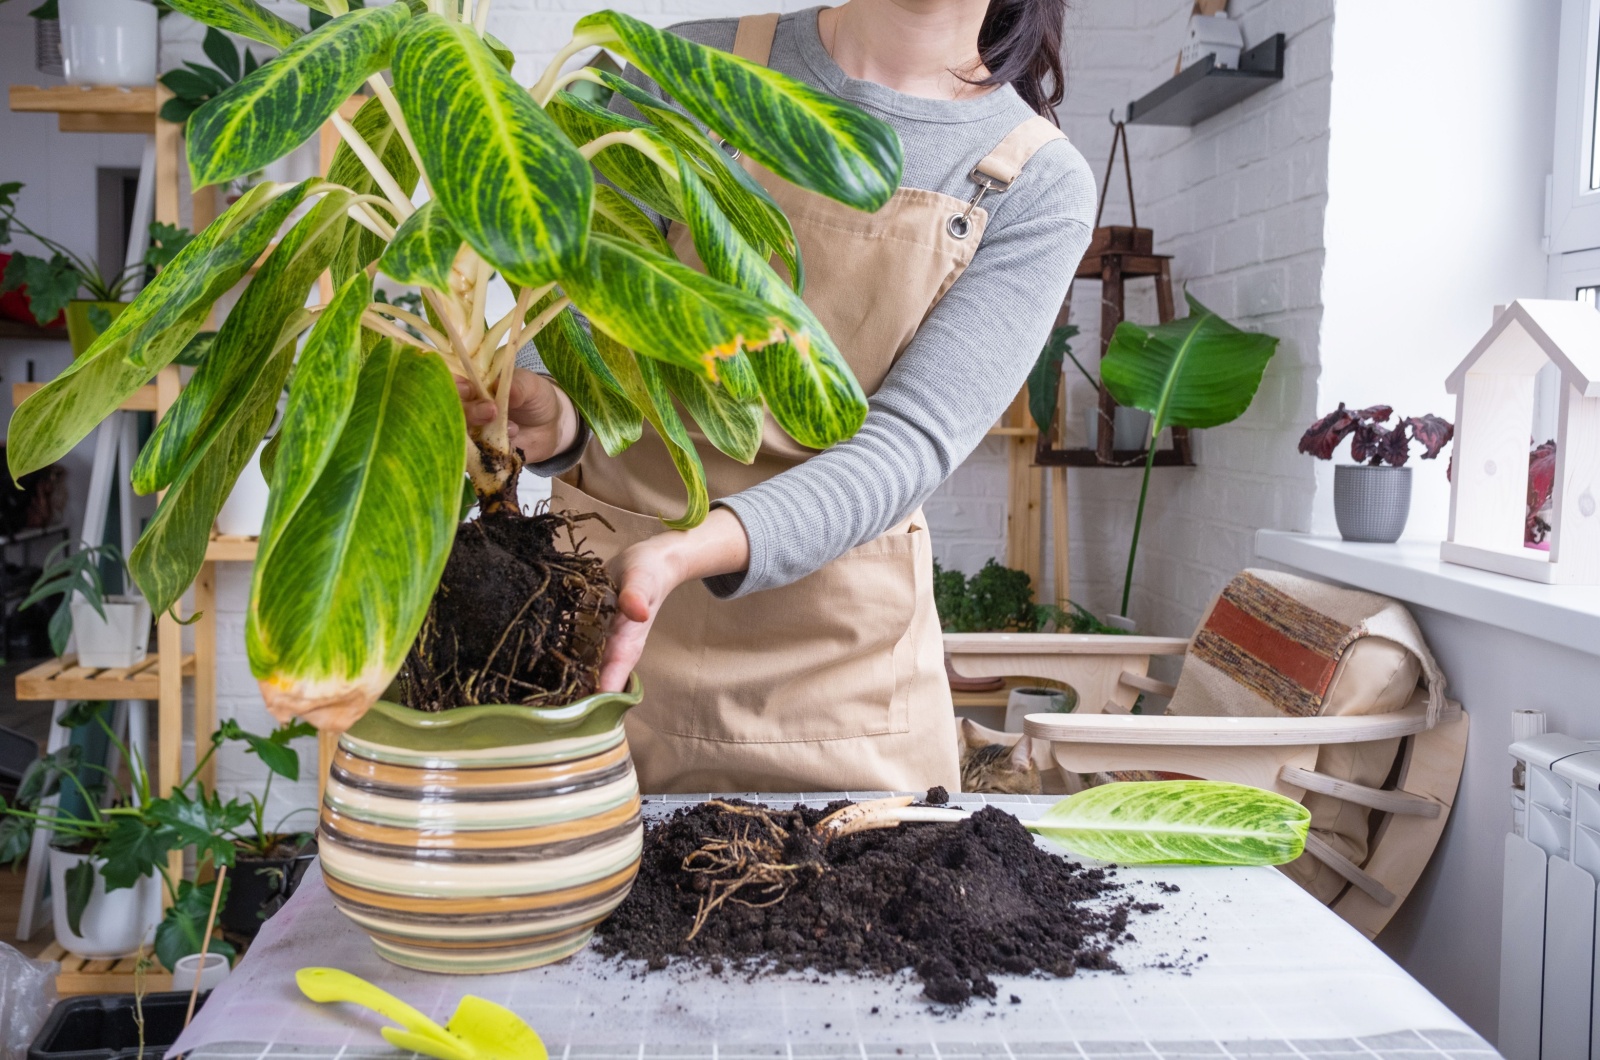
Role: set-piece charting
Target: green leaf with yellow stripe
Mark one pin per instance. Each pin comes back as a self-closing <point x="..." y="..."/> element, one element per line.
<point x="800" y="133"/>
<point x="641" y="380"/>
<point x="804" y="378"/>
<point x="663" y="309"/>
<point x="615" y="214"/>
<point x="286" y="100"/>
<point x="570" y="356"/>
<point x="423" y="249"/>
<point x="732" y="425"/>
<point x="622" y="165"/>
<point x="221" y="385"/>
<point x="244" y="17"/>
<point x="507" y="178"/>
<point x="152" y="331"/>
<point x="339" y="599"/>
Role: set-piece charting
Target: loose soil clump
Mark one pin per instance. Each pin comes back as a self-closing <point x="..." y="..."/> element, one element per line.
<point x="520" y="616"/>
<point x="765" y="890"/>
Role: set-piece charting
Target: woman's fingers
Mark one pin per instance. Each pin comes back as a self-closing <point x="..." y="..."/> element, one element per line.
<point x="478" y="409"/>
<point x="645" y="576"/>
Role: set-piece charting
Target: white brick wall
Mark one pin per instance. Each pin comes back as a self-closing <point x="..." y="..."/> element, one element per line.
<point x="1239" y="204"/>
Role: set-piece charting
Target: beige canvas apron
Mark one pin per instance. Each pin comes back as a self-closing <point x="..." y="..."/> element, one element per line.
<point x="835" y="682"/>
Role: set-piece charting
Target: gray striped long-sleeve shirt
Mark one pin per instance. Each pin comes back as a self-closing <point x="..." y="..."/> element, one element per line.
<point x="967" y="361"/>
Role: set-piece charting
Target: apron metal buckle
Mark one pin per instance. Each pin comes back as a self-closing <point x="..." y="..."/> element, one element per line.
<point x="960" y="224"/>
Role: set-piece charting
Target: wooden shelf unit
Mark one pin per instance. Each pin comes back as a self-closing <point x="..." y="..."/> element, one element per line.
<point x="63" y="678"/>
<point x="21" y="329"/>
<point x="92" y="108"/>
<point x="79" y="975"/>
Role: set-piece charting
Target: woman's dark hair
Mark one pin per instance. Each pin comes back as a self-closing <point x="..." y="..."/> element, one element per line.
<point x="1020" y="43"/>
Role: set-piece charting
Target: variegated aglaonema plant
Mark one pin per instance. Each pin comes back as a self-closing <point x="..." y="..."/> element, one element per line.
<point x="366" y="469"/>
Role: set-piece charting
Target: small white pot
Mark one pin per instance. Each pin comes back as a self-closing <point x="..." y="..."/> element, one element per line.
<point x="245" y="510"/>
<point x="120" y="639"/>
<point x="216" y="970"/>
<point x="109" y="42"/>
<point x="115" y="923"/>
<point x="1130" y="428"/>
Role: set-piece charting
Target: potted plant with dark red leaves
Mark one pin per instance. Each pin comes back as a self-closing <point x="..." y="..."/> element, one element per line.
<point x="1372" y="497"/>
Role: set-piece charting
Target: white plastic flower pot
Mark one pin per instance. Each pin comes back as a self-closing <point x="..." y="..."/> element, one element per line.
<point x="245" y="510"/>
<point x="109" y="42"/>
<point x="121" y="638"/>
<point x="211" y="976"/>
<point x="1130" y="428"/>
<point x="115" y="923"/>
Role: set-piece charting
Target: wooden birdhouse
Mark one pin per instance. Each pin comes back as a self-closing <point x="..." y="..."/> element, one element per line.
<point x="1495" y="390"/>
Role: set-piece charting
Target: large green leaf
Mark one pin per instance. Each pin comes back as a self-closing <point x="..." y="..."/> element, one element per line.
<point x="804" y="378"/>
<point x="339" y="599"/>
<point x="1200" y="371"/>
<point x="423" y="249"/>
<point x="622" y="165"/>
<point x="615" y="214"/>
<point x="284" y="103"/>
<point x="664" y="309"/>
<point x="320" y="397"/>
<point x="149" y="333"/>
<point x="244" y="17"/>
<point x="243" y="346"/>
<point x="1044" y="380"/>
<point x="570" y="356"/>
<point x="800" y="133"/>
<point x="740" y="196"/>
<point x="504" y="174"/>
<point x="641" y="380"/>
<point x="173" y="546"/>
<point x="362" y="247"/>
<point x="183" y="927"/>
<point x="731" y="424"/>
<point x="1178" y="822"/>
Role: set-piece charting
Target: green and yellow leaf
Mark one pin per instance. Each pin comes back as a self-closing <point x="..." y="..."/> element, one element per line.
<point x="730" y="424"/>
<point x="616" y="215"/>
<point x="423" y="249"/>
<point x="570" y="356"/>
<point x="338" y="602"/>
<point x="244" y="17"/>
<point x="800" y="133"/>
<point x="641" y="380"/>
<point x="150" y="332"/>
<point x="504" y="174"/>
<point x="622" y="165"/>
<point x="282" y="105"/>
<point x="1178" y="822"/>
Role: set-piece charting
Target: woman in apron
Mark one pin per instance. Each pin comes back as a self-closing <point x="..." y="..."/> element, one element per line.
<point x="790" y="642"/>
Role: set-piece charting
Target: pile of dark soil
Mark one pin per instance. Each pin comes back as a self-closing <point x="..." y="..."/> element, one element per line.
<point x="954" y="903"/>
<point x="520" y="616"/>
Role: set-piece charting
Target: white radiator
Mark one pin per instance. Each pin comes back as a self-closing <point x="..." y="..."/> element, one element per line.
<point x="1549" y="971"/>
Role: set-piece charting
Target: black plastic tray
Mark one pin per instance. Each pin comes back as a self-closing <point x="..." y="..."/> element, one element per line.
<point x="101" y="1027"/>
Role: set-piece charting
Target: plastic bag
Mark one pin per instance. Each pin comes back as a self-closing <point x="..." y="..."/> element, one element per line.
<point x="27" y="992"/>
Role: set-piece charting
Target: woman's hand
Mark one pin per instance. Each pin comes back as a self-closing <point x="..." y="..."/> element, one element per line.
<point x="542" y="420"/>
<point x="647" y="573"/>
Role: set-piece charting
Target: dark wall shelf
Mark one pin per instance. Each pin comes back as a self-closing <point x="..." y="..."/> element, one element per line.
<point x="1206" y="89"/>
<point x="16" y="329"/>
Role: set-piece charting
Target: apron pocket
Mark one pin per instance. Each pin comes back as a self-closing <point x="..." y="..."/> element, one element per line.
<point x="828" y="657"/>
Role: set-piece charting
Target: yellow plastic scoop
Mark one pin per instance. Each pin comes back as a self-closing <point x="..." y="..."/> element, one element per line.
<point x="478" y="1030"/>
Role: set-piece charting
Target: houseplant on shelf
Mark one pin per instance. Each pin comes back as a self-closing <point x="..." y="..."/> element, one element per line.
<point x="1372" y="497"/>
<point x="1199" y="371"/>
<point x="113" y="630"/>
<point x="367" y="468"/>
<point x="1130" y="426"/>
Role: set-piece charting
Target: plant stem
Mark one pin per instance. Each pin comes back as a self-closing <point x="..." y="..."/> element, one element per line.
<point x="367" y="218"/>
<point x="385" y="94"/>
<point x="1138" y="519"/>
<point x="544" y="89"/>
<point x="377" y="323"/>
<point x="480" y="17"/>
<point x="380" y="172"/>
<point x="427" y="329"/>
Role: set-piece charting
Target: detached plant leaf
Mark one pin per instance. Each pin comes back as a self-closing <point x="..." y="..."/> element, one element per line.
<point x="1178" y="822"/>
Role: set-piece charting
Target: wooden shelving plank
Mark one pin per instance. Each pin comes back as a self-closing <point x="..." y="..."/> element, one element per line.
<point x="227" y="548"/>
<point x="143" y="399"/>
<point x="65" y="679"/>
<point x="91" y="108"/>
<point x="18" y="329"/>
<point x="79" y="976"/>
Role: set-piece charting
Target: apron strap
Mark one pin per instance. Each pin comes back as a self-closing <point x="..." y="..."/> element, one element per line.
<point x="753" y="39"/>
<point x="1012" y="153"/>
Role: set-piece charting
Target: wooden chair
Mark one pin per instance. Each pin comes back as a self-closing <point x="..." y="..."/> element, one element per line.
<point x="1406" y="815"/>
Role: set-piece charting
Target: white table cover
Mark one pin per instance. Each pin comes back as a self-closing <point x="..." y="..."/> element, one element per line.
<point x="1238" y="962"/>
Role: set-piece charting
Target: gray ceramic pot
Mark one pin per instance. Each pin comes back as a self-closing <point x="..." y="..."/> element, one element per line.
<point x="1371" y="503"/>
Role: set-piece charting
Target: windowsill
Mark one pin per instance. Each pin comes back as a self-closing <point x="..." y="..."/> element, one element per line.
<point x="1412" y="571"/>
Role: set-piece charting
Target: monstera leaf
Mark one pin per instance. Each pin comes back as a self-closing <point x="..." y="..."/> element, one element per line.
<point x="1178" y="822"/>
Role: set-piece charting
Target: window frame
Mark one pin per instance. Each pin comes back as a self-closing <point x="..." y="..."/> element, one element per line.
<point x="1574" y="205"/>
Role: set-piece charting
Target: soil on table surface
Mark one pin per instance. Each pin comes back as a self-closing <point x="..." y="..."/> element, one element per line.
<point x="954" y="903"/>
<point x="519" y="617"/>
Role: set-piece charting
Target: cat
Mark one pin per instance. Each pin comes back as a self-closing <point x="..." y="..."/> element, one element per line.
<point x="995" y="768"/>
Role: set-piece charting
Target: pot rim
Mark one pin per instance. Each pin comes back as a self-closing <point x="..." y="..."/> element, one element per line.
<point x="491" y="724"/>
<point x="1371" y="467"/>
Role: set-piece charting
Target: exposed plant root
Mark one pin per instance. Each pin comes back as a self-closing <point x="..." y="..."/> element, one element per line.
<point x="747" y="869"/>
<point x="518" y="618"/>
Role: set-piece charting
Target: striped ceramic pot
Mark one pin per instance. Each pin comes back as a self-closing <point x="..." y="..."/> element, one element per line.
<point x="482" y="839"/>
